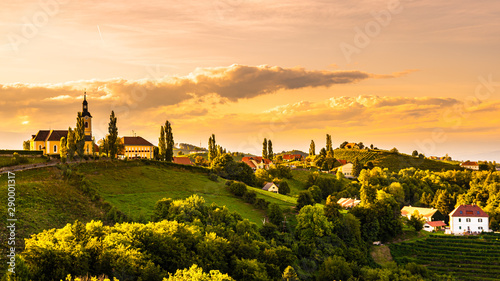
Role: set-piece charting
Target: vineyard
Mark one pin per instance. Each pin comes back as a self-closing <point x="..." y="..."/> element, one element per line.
<point x="465" y="258"/>
<point x="392" y="161"/>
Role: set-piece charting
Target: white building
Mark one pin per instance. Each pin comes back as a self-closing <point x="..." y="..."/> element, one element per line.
<point x="470" y="165"/>
<point x="271" y="187"/>
<point x="347" y="171"/>
<point x="468" y="219"/>
<point x="426" y="213"/>
<point x="433" y="225"/>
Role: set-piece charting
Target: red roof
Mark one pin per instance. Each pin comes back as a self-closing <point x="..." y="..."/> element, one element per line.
<point x="249" y="163"/>
<point x="136" y="141"/>
<point x="292" y="156"/>
<point x="343" y="162"/>
<point x="258" y="159"/>
<point x="468" y="163"/>
<point x="436" y="223"/>
<point x="183" y="160"/>
<point x="468" y="211"/>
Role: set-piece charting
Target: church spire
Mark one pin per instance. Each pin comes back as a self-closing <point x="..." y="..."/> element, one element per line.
<point x="85" y="111"/>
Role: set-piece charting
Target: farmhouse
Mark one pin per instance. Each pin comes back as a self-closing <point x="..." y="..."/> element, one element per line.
<point x="433" y="225"/>
<point x="271" y="187"/>
<point x="137" y="147"/>
<point x="470" y="165"/>
<point x="49" y="141"/>
<point x="468" y="219"/>
<point x="347" y="171"/>
<point x="347" y="203"/>
<point x="292" y="157"/>
<point x="351" y="145"/>
<point x="183" y="160"/>
<point x="256" y="162"/>
<point x="428" y="214"/>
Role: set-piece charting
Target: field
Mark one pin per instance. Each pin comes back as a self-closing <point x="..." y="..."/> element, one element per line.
<point x="465" y="258"/>
<point x="7" y="161"/>
<point x="134" y="189"/>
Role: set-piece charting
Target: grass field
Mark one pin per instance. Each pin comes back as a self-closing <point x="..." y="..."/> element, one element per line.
<point x="44" y="201"/>
<point x="7" y="161"/>
<point x="135" y="188"/>
<point x="465" y="258"/>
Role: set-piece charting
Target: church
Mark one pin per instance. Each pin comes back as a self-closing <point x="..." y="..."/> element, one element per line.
<point x="49" y="140"/>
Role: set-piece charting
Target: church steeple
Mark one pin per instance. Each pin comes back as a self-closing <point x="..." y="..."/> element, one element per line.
<point x="85" y="111"/>
<point x="86" y="116"/>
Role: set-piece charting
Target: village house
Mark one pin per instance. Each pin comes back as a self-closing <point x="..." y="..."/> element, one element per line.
<point x="182" y="160"/>
<point x="137" y="147"/>
<point x="470" y="165"/>
<point x="292" y="157"/>
<point x="347" y="170"/>
<point x="433" y="225"/>
<point x="348" y="203"/>
<point x="271" y="187"/>
<point x="256" y="162"/>
<point x="428" y="214"/>
<point x="468" y="219"/>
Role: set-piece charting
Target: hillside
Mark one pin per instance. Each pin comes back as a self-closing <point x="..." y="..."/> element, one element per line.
<point x="465" y="258"/>
<point x="48" y="200"/>
<point x="392" y="161"/>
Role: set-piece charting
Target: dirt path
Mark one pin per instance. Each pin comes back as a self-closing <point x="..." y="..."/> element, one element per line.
<point x="24" y="167"/>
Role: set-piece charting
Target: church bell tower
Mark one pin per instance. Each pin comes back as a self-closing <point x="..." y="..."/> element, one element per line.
<point x="87" y="118"/>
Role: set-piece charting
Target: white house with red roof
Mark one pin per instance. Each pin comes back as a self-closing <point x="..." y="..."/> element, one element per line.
<point x="470" y="165"/>
<point x="468" y="219"/>
<point x="256" y="162"/>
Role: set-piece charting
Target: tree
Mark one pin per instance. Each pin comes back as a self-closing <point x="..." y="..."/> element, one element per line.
<point x="162" y="145"/>
<point x="64" y="149"/>
<point x="342" y="145"/>
<point x="305" y="198"/>
<point x="70" y="143"/>
<point x="332" y="209"/>
<point x="356" y="167"/>
<point x="329" y="147"/>
<point x="169" y="137"/>
<point x="368" y="194"/>
<point x="275" y="214"/>
<point x="104" y="146"/>
<point x="289" y="274"/>
<point x="195" y="273"/>
<point x="334" y="268"/>
<point x="316" y="193"/>
<point x="444" y="202"/>
<point x="322" y="152"/>
<point x="26" y="145"/>
<point x="283" y="188"/>
<point x="112" y="136"/>
<point x="80" y="135"/>
<point x="212" y="149"/>
<point x="394" y="150"/>
<point x="414" y="153"/>
<point x="264" y="149"/>
<point x="312" y="148"/>
<point x="200" y="161"/>
<point x="270" y="153"/>
<point x="416" y="221"/>
<point x="361" y="145"/>
<point x="93" y="147"/>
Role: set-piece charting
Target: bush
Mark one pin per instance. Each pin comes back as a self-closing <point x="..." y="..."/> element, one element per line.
<point x="283" y="188"/>
<point x="213" y="177"/>
<point x="250" y="196"/>
<point x="238" y="188"/>
<point x="261" y="203"/>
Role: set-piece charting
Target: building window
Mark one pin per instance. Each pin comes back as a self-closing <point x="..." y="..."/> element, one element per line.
<point x="55" y="148"/>
<point x="467" y="220"/>
<point x="86" y="124"/>
<point x="459" y="227"/>
<point x="480" y="228"/>
<point x="479" y="220"/>
<point x="459" y="220"/>
<point x="40" y="147"/>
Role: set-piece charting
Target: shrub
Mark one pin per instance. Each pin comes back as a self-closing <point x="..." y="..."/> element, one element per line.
<point x="238" y="188"/>
<point x="250" y="196"/>
<point x="261" y="203"/>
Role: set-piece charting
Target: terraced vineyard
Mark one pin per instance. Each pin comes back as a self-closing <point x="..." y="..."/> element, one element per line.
<point x="465" y="258"/>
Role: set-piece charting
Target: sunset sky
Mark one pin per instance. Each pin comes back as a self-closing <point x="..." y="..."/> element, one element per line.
<point x="421" y="75"/>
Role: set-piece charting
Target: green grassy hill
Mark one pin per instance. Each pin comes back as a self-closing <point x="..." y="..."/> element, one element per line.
<point x="465" y="258"/>
<point x="392" y="161"/>
<point x="45" y="199"/>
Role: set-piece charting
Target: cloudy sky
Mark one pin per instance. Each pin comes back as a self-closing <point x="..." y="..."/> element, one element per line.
<point x="408" y="74"/>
